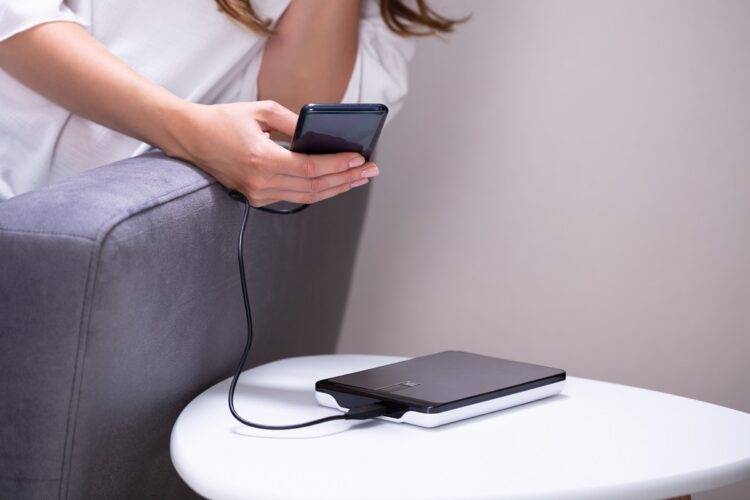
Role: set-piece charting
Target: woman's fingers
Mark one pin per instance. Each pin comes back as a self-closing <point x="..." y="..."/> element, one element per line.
<point x="309" y="198"/>
<point x="280" y="187"/>
<point x="282" y="161"/>
<point x="325" y="182"/>
<point x="301" y="190"/>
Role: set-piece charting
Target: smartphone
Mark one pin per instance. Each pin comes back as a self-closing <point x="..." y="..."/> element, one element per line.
<point x="339" y="128"/>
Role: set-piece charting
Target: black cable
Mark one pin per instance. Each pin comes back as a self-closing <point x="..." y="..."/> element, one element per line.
<point x="284" y="211"/>
<point x="358" y="413"/>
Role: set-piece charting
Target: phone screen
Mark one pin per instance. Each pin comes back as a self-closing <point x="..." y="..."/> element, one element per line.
<point x="337" y="128"/>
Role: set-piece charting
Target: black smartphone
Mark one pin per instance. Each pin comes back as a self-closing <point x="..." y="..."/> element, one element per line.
<point x="339" y="128"/>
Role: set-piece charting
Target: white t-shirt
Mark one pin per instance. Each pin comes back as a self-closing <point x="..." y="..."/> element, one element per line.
<point x="186" y="46"/>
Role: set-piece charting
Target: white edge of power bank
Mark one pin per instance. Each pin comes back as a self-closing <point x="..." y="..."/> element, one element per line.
<point x="464" y="412"/>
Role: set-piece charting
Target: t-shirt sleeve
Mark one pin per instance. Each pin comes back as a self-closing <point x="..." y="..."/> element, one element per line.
<point x="19" y="15"/>
<point x="380" y="73"/>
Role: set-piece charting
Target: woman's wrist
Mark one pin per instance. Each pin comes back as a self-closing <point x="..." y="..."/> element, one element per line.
<point x="176" y="122"/>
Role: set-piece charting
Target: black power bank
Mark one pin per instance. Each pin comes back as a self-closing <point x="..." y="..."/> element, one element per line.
<point x="441" y="388"/>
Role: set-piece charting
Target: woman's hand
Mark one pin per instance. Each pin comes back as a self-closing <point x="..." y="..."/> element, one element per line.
<point x="231" y="142"/>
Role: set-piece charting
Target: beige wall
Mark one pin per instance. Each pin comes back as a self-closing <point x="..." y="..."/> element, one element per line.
<point x="569" y="184"/>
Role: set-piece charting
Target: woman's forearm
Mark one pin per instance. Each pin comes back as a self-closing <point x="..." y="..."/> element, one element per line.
<point x="82" y="76"/>
<point x="311" y="55"/>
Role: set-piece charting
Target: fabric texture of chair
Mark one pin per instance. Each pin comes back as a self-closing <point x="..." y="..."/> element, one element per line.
<point x="120" y="301"/>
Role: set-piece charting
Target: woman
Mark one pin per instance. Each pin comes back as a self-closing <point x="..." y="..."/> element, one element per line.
<point x="88" y="82"/>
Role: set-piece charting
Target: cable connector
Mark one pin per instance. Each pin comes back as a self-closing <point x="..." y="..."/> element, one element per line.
<point x="366" y="412"/>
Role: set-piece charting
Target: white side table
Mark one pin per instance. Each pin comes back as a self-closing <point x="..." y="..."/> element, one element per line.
<point x="595" y="440"/>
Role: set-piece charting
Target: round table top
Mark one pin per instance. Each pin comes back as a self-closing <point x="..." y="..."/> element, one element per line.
<point x="594" y="440"/>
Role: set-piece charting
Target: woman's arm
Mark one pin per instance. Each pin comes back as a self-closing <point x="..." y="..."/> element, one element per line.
<point x="311" y="55"/>
<point x="365" y="61"/>
<point x="67" y="65"/>
<point x="62" y="62"/>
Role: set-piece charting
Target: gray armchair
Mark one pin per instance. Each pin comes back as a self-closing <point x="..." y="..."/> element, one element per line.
<point x="120" y="302"/>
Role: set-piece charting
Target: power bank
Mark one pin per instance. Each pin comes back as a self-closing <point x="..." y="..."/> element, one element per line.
<point x="440" y="388"/>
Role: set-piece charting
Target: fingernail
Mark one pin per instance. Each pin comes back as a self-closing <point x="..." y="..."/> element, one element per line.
<point x="356" y="161"/>
<point x="371" y="171"/>
<point x="360" y="182"/>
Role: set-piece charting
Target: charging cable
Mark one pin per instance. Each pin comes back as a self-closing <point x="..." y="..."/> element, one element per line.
<point x="358" y="413"/>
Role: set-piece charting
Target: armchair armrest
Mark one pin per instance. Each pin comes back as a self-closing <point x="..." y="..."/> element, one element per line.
<point x="120" y="301"/>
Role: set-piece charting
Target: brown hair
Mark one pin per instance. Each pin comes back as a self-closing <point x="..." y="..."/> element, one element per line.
<point x="402" y="20"/>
